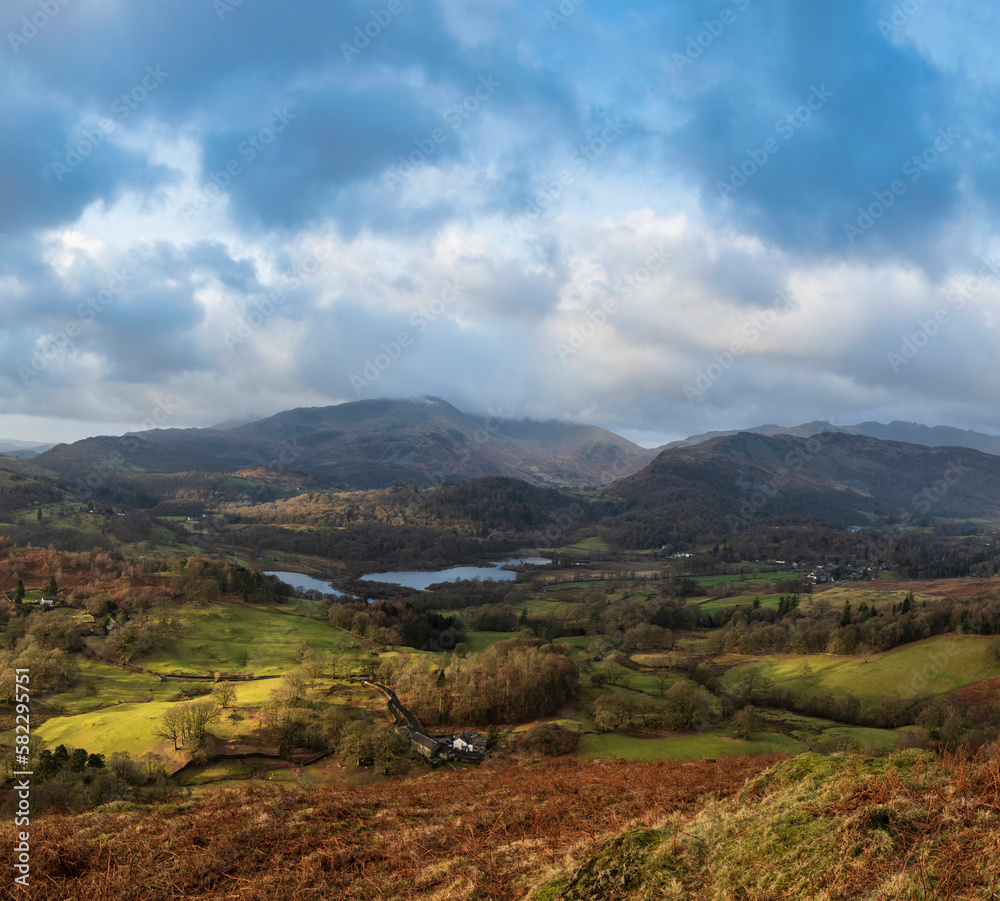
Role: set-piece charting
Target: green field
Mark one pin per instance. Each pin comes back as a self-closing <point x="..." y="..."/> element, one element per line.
<point x="233" y="637"/>
<point x="933" y="667"/>
<point x="655" y="658"/>
<point x="744" y="600"/>
<point x="305" y="607"/>
<point x="126" y="727"/>
<point x="480" y="641"/>
<point x="130" y="725"/>
<point x="815" y="730"/>
<point x="223" y="770"/>
<point x="539" y="607"/>
<point x="587" y="544"/>
<point x="646" y="682"/>
<point x="682" y="747"/>
<point x="746" y="577"/>
<point x="574" y="641"/>
<point x="101" y="685"/>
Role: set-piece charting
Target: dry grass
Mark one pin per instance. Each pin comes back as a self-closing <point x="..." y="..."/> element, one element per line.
<point x="487" y="833"/>
<point x="910" y="826"/>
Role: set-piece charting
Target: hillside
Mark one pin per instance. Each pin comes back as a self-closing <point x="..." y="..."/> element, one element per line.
<point x="897" y="430"/>
<point x="907" y="826"/>
<point x="727" y="482"/>
<point x="474" y="507"/>
<point x="486" y="833"/>
<point x="369" y="444"/>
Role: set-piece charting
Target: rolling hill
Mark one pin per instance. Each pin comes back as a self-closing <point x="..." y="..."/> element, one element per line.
<point x="842" y="480"/>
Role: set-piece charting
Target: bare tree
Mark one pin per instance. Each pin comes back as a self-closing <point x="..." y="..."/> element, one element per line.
<point x="614" y="671"/>
<point x="172" y="725"/>
<point x="225" y="694"/>
<point x="200" y="716"/>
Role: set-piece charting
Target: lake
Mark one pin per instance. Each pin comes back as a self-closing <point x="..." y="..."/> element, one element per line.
<point x="306" y="583"/>
<point x="420" y="580"/>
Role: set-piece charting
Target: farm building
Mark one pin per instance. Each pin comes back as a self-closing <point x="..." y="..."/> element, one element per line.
<point x="424" y="745"/>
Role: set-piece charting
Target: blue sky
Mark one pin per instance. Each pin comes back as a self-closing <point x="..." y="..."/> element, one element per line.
<point x="659" y="218"/>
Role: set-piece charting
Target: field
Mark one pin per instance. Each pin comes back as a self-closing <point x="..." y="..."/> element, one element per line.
<point x="131" y="725"/>
<point x="125" y="727"/>
<point x="236" y="637"/>
<point x="934" y="667"/>
<point x="682" y="747"/>
<point x="541" y="607"/>
<point x="741" y="600"/>
<point x="575" y="641"/>
<point x="747" y="578"/>
<point x="817" y="732"/>
<point x="480" y="641"/>
<point x="101" y="685"/>
<point x="587" y="544"/>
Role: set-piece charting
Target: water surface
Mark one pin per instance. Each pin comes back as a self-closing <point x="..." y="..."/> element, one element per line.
<point x="422" y="579"/>
<point x="302" y="582"/>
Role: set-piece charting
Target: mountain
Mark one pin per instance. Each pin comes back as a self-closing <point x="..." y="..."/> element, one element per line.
<point x="929" y="436"/>
<point x="910" y="432"/>
<point x="368" y="444"/>
<point x="233" y="423"/>
<point x="729" y="481"/>
<point x="24" y="450"/>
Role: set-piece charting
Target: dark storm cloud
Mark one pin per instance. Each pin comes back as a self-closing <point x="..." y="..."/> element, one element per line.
<point x="813" y="112"/>
<point x="33" y="194"/>
<point x="535" y="158"/>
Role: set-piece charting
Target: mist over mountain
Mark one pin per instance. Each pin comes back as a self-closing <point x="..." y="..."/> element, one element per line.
<point x="24" y="450"/>
<point x="372" y="444"/>
<point x="378" y="443"/>
<point x="910" y="432"/>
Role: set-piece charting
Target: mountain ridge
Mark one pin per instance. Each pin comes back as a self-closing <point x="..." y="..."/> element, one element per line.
<point x="896" y="430"/>
<point x="373" y="444"/>
<point x="730" y="481"/>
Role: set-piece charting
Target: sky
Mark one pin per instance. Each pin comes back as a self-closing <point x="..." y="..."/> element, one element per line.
<point x="659" y="218"/>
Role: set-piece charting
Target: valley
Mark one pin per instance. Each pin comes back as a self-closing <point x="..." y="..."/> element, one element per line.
<point x="196" y="638"/>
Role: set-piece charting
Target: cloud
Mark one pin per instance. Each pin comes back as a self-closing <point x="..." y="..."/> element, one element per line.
<point x="820" y="178"/>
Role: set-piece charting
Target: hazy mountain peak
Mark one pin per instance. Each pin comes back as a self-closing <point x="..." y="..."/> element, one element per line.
<point x="379" y="442"/>
<point x="897" y="430"/>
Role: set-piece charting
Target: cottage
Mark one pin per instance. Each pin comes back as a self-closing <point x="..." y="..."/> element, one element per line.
<point x="424" y="745"/>
<point x="469" y="743"/>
